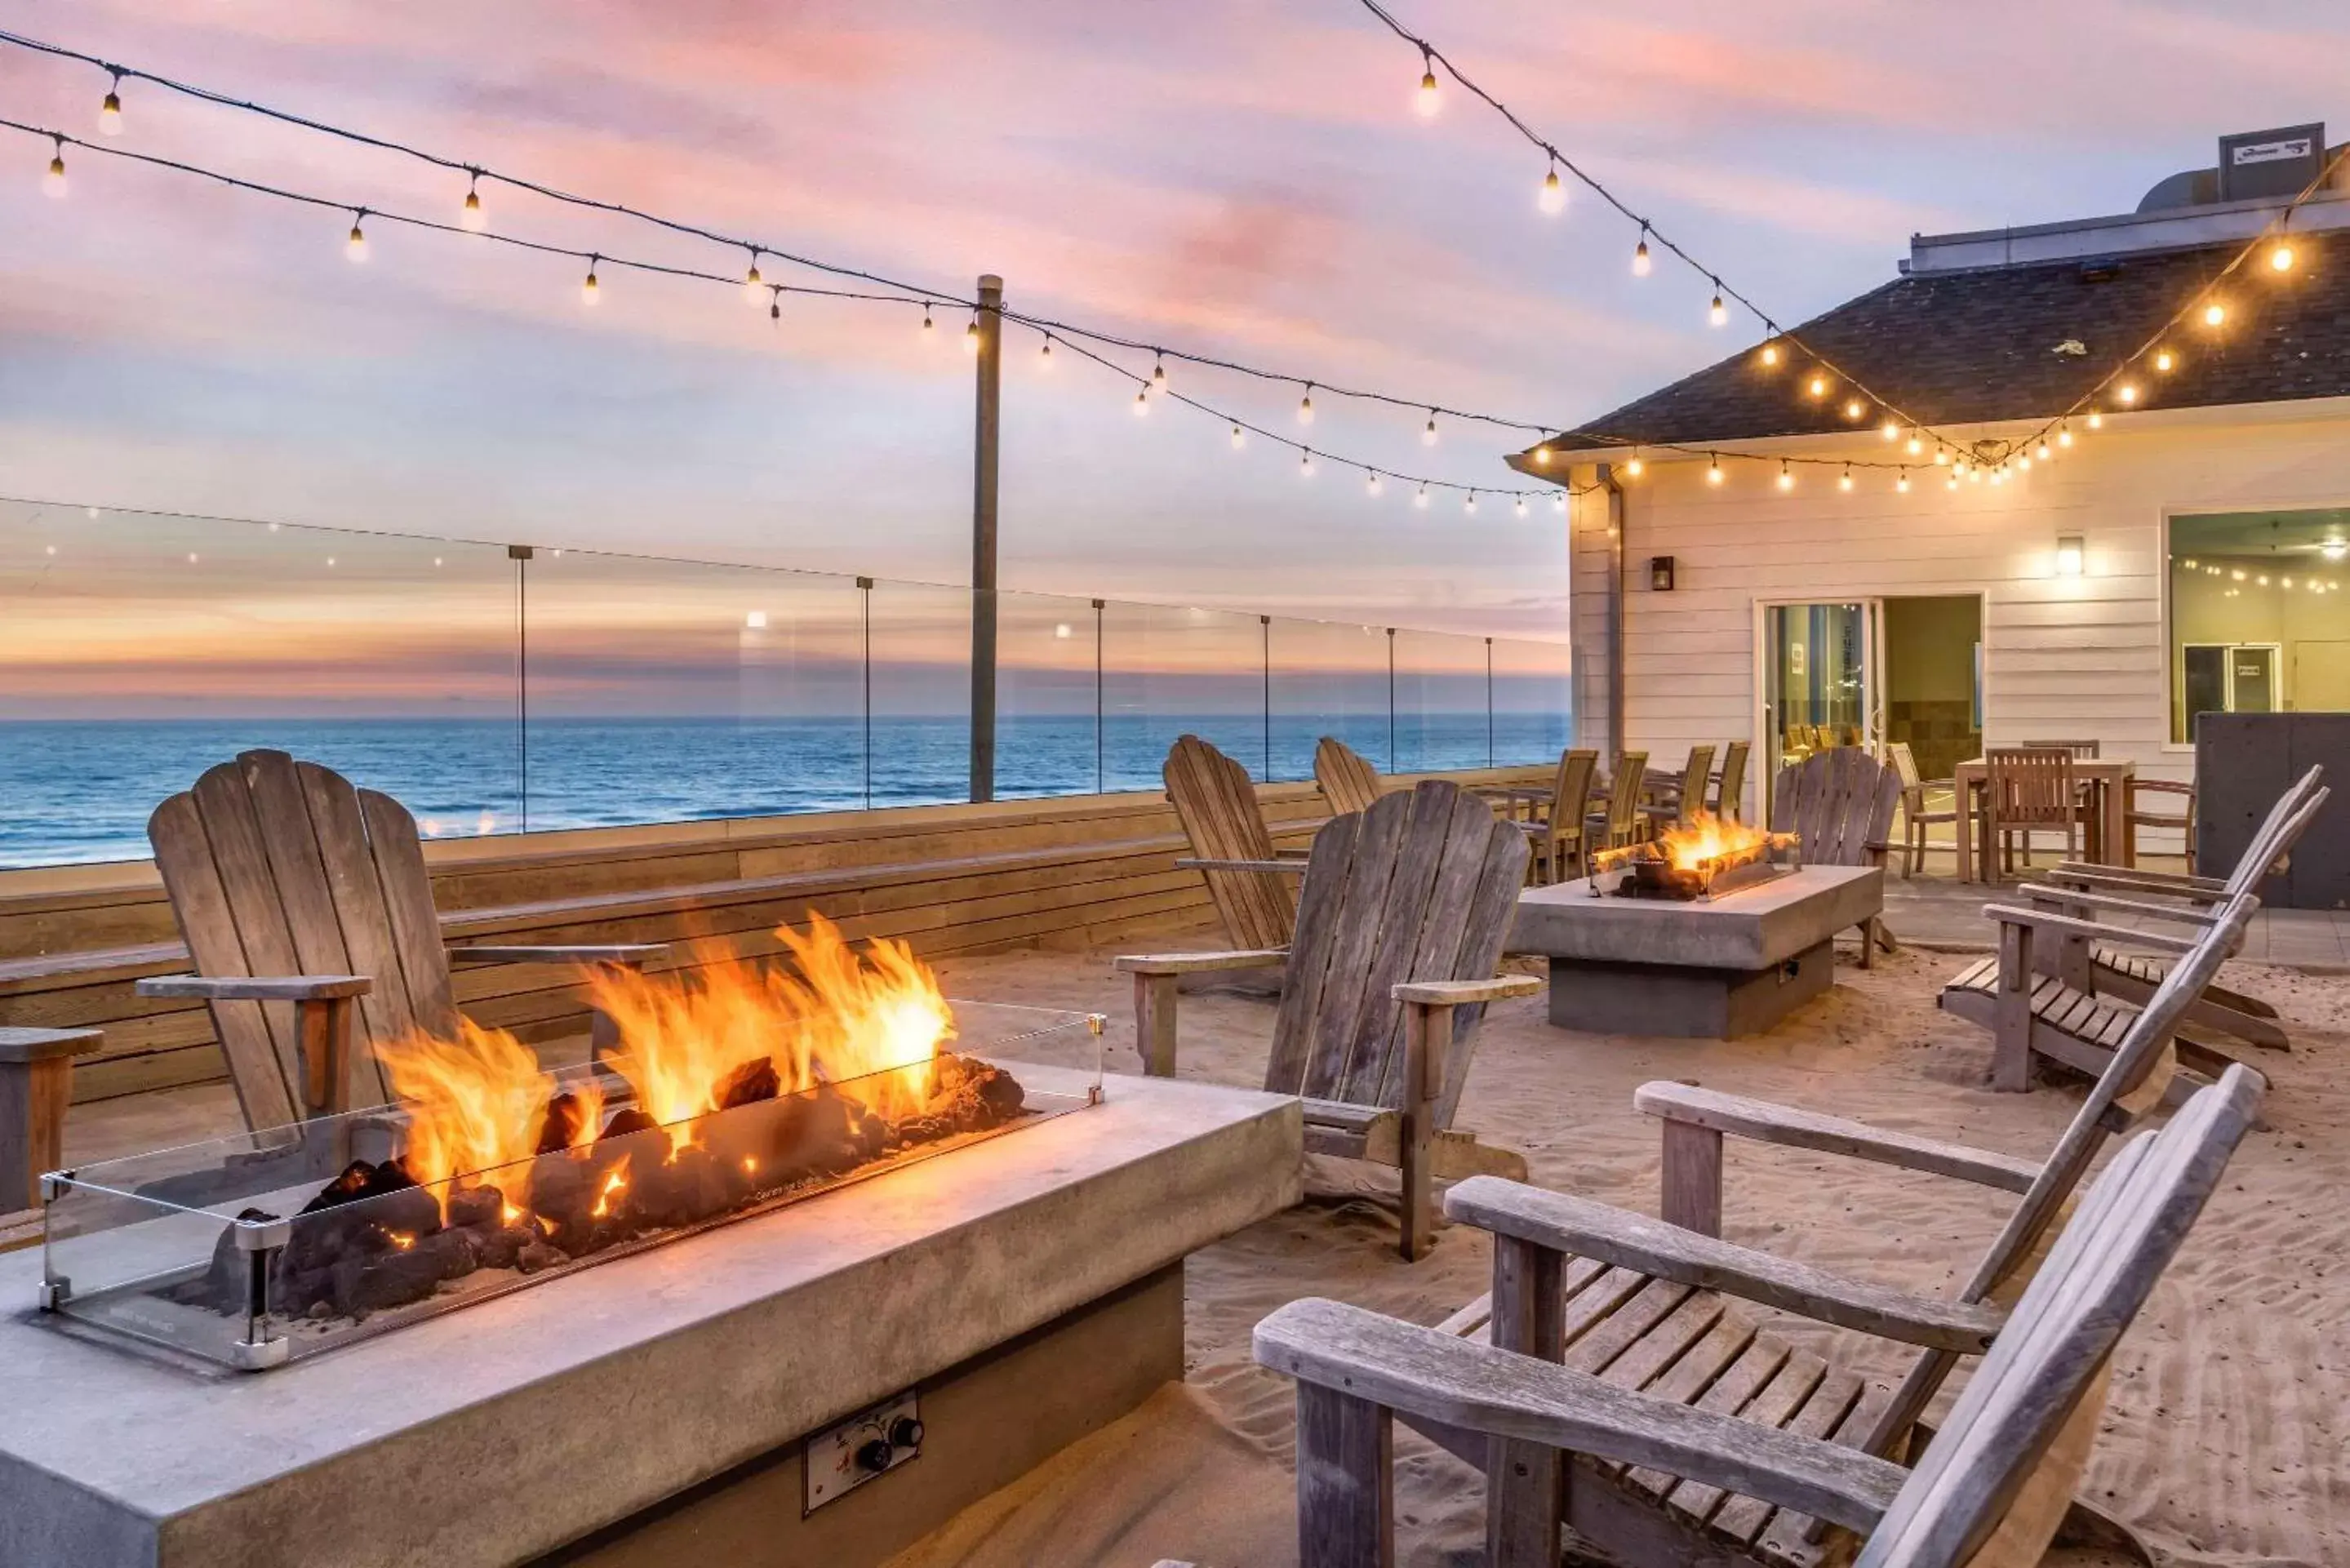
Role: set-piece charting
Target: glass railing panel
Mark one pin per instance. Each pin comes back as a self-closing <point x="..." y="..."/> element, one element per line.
<point x="921" y="693"/>
<point x="140" y="649"/>
<point x="671" y="690"/>
<point x="1534" y="689"/>
<point x="1049" y="697"/>
<point x="1444" y="717"/>
<point x="1330" y="678"/>
<point x="1171" y="672"/>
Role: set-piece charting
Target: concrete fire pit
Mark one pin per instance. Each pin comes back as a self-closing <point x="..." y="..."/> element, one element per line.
<point x="1705" y="968"/>
<point x="1027" y="1289"/>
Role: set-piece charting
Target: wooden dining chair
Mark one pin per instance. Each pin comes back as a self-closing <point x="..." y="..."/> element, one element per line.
<point x="1916" y="813"/>
<point x="2083" y="750"/>
<point x="2026" y="790"/>
<point x="1729" y="794"/>
<point x="1679" y="802"/>
<point x="1557" y="839"/>
<point x="1619" y="825"/>
<point x="2135" y="817"/>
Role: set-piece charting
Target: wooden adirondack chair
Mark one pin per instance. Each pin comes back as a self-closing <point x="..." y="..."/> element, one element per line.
<point x="1730" y="795"/>
<point x="1679" y="1447"/>
<point x="1645" y="1320"/>
<point x="1348" y="781"/>
<point x="305" y="905"/>
<point x="2132" y="977"/>
<point x="2047" y="1000"/>
<point x="1405" y="910"/>
<point x="1231" y="848"/>
<point x="1840" y="802"/>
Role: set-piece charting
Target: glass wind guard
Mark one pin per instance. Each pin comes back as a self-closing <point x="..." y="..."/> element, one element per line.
<point x="250" y="1250"/>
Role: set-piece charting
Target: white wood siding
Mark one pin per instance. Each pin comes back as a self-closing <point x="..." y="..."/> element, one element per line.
<point x="2065" y="656"/>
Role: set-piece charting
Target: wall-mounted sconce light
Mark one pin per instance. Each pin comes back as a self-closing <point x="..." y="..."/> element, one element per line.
<point x="1660" y="574"/>
<point x="2068" y="555"/>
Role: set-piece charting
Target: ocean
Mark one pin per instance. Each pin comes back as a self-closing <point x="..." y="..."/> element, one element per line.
<point x="74" y="792"/>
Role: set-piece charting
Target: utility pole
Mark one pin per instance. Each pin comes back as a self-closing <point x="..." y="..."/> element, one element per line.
<point x="988" y="430"/>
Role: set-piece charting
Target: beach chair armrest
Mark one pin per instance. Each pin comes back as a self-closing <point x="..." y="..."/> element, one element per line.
<point x="2176" y="913"/>
<point x="1201" y="964"/>
<point x="1624" y="1240"/>
<point x="2043" y="922"/>
<point x="1764" y="1122"/>
<point x="1437" y="1377"/>
<point x="255" y="987"/>
<point x="2164" y="884"/>
<point x="1280" y="863"/>
<point x="620" y="955"/>
<point x="1465" y="992"/>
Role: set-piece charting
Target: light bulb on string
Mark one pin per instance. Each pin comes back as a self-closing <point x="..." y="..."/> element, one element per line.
<point x="1941" y="455"/>
<point x="1786" y="475"/>
<point x="2214" y="313"/>
<point x="1558" y="502"/>
<point x="1817" y="386"/>
<point x="1714" y="469"/>
<point x="1240" y="437"/>
<point x="1428" y="433"/>
<point x="2023" y="463"/>
<point x="1044" y="355"/>
<point x="2096" y="420"/>
<point x="776" y="304"/>
<point x="971" y="334"/>
<point x="355" y="246"/>
<point x="1426" y="102"/>
<point x="1420" y="498"/>
<point x="588" y="288"/>
<point x="1305" y="464"/>
<point x="1305" y="406"/>
<point x="2044" y="453"/>
<point x="2127" y="393"/>
<point x="1951" y="483"/>
<point x="754" y="285"/>
<point x="1552" y="199"/>
<point x="2064" y="435"/>
<point x="1974" y="475"/>
<point x="1370" y="482"/>
<point x="53" y="183"/>
<point x="929" y="327"/>
<point x="1634" y="467"/>
<point x="1469" y="505"/>
<point x="1770" y="355"/>
<point x="1542" y="455"/>
<point x="1916" y="443"/>
<point x="1853" y="408"/>
<point x="1640" y="256"/>
<point x="110" y="113"/>
<point x="1157" y="371"/>
<point x="1902" y="484"/>
<point x="471" y="216"/>
<point x="2281" y="256"/>
<point x="1522" y="505"/>
<point x="1141" y="404"/>
<point x="1717" y="314"/>
<point x="1890" y="429"/>
<point x="2164" y="359"/>
<point x="1845" y="481"/>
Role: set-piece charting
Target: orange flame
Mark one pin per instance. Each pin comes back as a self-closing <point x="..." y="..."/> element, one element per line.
<point x="474" y="1103"/>
<point x="1707" y="839"/>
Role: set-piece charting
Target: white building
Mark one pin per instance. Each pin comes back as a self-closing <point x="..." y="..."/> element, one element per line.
<point x="2188" y="553"/>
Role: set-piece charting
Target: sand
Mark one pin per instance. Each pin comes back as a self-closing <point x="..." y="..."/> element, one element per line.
<point x="2222" y="1442"/>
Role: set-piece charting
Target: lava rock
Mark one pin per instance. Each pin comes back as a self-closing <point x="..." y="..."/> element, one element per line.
<point x="498" y="1249"/>
<point x="748" y="1083"/>
<point x="223" y="1286"/>
<point x="457" y="1251"/>
<point x="363" y="1285"/>
<point x="539" y="1255"/>
<point x="478" y="1208"/>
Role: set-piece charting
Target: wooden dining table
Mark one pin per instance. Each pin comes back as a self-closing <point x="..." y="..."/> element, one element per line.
<point x="2108" y="783"/>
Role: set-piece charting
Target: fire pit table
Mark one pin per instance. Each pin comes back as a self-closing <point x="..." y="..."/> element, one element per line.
<point x="1734" y="960"/>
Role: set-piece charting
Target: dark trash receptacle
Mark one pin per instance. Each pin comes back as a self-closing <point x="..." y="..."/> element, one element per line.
<point x="2243" y="762"/>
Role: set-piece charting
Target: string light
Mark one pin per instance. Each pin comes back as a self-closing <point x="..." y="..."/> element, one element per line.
<point x="53" y="183"/>
<point x="1141" y="404"/>
<point x="971" y="334"/>
<point x="588" y="288"/>
<point x="2214" y="313"/>
<point x="2164" y="359"/>
<point x="1044" y="355"/>
<point x="1421" y="499"/>
<point x="1558" y="504"/>
<point x="1771" y="354"/>
<point x="2022" y="464"/>
<point x="1717" y="314"/>
<point x="2126" y="392"/>
<point x="1942" y="456"/>
<point x="1890" y="429"/>
<point x="1469" y="506"/>
<point x="1240" y="437"/>
<point x="1371" y="481"/>
<point x="1902" y="484"/>
<point x="753" y="284"/>
<point x="1916" y="445"/>
<point x="1786" y="475"/>
<point x="1426" y="102"/>
<point x="1552" y="199"/>
<point x="1305" y="406"/>
<point x="1713" y="469"/>
<point x="1306" y="464"/>
<point x="1818" y="386"/>
<point x="110" y="113"/>
<point x="1521" y="511"/>
<point x="776" y="307"/>
<point x="2281" y="256"/>
<point x="1157" y="372"/>
<point x="1951" y="483"/>
<point x="1854" y="408"/>
<point x="2044" y="453"/>
<point x="928" y="326"/>
<point x="1846" y="483"/>
<point x="1635" y="468"/>
<point x="2064" y="435"/>
<point x="1542" y="455"/>
<point x="1427" y="435"/>
<point x="473" y="219"/>
<point x="355" y="246"/>
<point x="1640" y="263"/>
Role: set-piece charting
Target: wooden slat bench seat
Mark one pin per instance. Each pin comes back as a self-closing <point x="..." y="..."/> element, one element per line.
<point x="2074" y="1028"/>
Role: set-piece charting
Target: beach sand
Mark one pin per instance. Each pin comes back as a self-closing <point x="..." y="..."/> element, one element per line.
<point x="2231" y="1399"/>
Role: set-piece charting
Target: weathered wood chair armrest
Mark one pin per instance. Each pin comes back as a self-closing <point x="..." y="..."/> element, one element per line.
<point x="257" y="988"/>
<point x="1623" y="1240"/>
<point x="2043" y="922"/>
<point x="626" y="955"/>
<point x="1200" y="963"/>
<point x="1440" y="1377"/>
<point x="1284" y="863"/>
<point x="1766" y="1123"/>
<point x="2169" y="884"/>
<point x="1465" y="992"/>
<point x="2176" y="913"/>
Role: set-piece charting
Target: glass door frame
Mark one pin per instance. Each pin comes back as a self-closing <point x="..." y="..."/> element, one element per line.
<point x="1766" y="730"/>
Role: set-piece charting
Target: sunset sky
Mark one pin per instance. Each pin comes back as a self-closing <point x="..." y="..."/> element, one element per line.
<point x="1246" y="179"/>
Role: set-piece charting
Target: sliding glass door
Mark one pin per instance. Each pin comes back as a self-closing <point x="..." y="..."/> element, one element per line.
<point x="1822" y="679"/>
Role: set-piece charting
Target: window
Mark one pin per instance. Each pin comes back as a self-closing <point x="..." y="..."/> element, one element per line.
<point x="2258" y="621"/>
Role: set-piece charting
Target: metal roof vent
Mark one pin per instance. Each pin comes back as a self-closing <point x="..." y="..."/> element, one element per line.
<point x="2282" y="162"/>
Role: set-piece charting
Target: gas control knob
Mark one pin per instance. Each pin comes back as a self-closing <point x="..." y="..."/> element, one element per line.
<point x="873" y="1457"/>
<point x="906" y="1432"/>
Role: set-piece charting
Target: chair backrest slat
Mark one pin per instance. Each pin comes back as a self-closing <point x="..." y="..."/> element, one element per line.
<point x="1730" y="797"/>
<point x="1219" y="811"/>
<point x="1348" y="781"/>
<point x="1694" y="775"/>
<point x="1905" y="763"/>
<point x="2053" y="1347"/>
<point x="1421" y="886"/>
<point x="2031" y="784"/>
<point x="1624" y="795"/>
<point x="1570" y="793"/>
<point x="2081" y="750"/>
<point x="1839" y="802"/>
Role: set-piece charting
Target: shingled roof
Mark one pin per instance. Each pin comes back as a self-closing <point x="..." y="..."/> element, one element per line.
<point x="1960" y="347"/>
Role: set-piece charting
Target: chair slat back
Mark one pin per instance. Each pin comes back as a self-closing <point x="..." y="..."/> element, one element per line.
<point x="1695" y="775"/>
<point x="1570" y="791"/>
<point x="1623" y="796"/>
<point x="2081" y="750"/>
<point x="1348" y="781"/>
<point x="275" y="867"/>
<point x="1840" y="803"/>
<point x="2278" y="831"/>
<point x="1421" y="886"/>
<point x="1219" y="809"/>
<point x="2053" y="1347"/>
<point x="2031" y="784"/>
<point x="1730" y="797"/>
<point x="1905" y="763"/>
